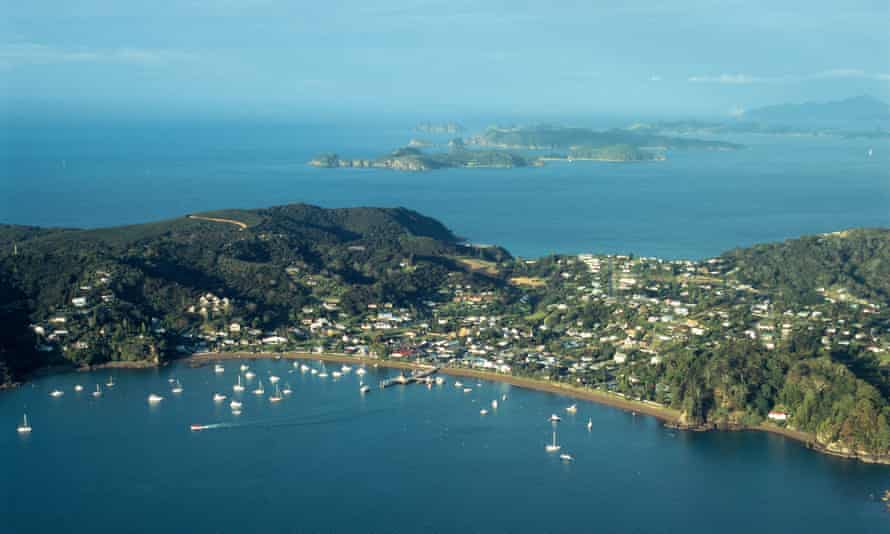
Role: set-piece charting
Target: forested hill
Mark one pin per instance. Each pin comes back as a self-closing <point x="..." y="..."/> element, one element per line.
<point x="270" y="261"/>
<point x="849" y="264"/>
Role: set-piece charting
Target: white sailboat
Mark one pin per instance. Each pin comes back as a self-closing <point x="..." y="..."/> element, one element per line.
<point x="494" y="404"/>
<point x="218" y="397"/>
<point x="273" y="379"/>
<point x="566" y="457"/>
<point x="555" y="418"/>
<point x="361" y="371"/>
<point x="336" y="374"/>
<point x="110" y="382"/>
<point x="276" y="397"/>
<point x="235" y="405"/>
<point x="25" y="427"/>
<point x="287" y="389"/>
<point x="154" y="398"/>
<point x="219" y="369"/>
<point x="303" y="367"/>
<point x="244" y="367"/>
<point x="259" y="390"/>
<point x="177" y="388"/>
<point x="589" y="425"/>
<point x="78" y="387"/>
<point x="238" y="386"/>
<point x="56" y="393"/>
<point x="483" y="411"/>
<point x="572" y="409"/>
<point x="98" y="392"/>
<point x="249" y="375"/>
<point x="553" y="447"/>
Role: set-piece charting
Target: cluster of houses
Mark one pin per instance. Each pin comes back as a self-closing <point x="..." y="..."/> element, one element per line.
<point x="653" y="306"/>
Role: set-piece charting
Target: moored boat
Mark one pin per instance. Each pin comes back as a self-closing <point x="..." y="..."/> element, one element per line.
<point x="238" y="386"/>
<point x="154" y="398"/>
<point x="25" y="427"/>
<point x="218" y="397"/>
<point x="56" y="393"/>
<point x="553" y="447"/>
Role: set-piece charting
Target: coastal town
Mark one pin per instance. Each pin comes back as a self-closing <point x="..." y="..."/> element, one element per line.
<point x="610" y="323"/>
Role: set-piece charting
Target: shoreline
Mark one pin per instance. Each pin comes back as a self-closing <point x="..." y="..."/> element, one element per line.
<point x="668" y="416"/>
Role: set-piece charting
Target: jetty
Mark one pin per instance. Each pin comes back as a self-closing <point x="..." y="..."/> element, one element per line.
<point x="417" y="376"/>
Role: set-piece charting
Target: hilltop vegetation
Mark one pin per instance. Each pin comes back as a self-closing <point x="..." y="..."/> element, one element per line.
<point x="557" y="137"/>
<point x="413" y="159"/>
<point x="800" y="328"/>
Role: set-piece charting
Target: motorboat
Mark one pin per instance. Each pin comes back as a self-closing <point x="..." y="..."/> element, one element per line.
<point x="154" y="398"/>
<point x="218" y="397"/>
<point x="56" y="393"/>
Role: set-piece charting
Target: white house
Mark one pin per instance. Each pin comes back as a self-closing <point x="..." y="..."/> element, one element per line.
<point x="775" y="415"/>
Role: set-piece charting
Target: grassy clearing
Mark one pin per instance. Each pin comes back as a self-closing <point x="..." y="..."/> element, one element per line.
<point x="527" y="281"/>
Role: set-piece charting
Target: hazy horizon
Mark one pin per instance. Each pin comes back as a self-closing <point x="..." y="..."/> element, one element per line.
<point x="268" y="58"/>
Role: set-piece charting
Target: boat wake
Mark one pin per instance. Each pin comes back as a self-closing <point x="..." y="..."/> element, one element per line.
<point x="283" y="422"/>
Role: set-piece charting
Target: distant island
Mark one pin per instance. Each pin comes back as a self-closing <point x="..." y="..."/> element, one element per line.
<point x="413" y="159"/>
<point x="862" y="117"/>
<point x="855" y="109"/>
<point x="547" y="137"/>
<point x="521" y="147"/>
<point x="789" y="337"/>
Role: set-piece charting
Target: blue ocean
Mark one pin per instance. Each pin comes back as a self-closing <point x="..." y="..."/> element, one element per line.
<point x="412" y="459"/>
<point x="694" y="205"/>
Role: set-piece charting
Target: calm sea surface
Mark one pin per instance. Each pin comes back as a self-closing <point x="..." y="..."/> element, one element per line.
<point x="406" y="459"/>
<point x="411" y="459"/>
<point x="696" y="204"/>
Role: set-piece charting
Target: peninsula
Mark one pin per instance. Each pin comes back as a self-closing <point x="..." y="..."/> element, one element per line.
<point x="791" y="337"/>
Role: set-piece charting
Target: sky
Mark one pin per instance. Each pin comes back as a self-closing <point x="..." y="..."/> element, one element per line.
<point x="269" y="57"/>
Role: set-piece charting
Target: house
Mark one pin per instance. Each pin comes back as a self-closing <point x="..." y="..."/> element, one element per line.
<point x="777" y="415"/>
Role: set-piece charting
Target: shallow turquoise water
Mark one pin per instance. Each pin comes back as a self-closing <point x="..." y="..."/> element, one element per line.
<point x="407" y="459"/>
